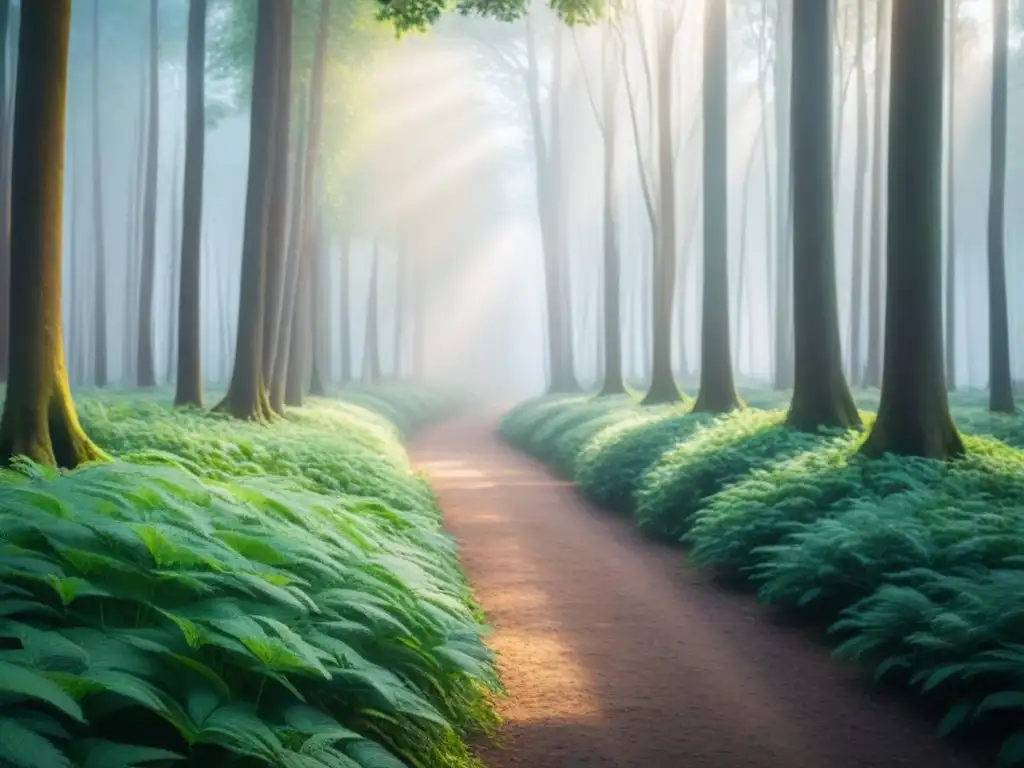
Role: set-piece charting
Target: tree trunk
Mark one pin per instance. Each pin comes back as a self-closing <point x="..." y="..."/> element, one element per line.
<point x="741" y="271"/>
<point x="860" y="174"/>
<point x="913" y="415"/>
<point x="1000" y="379"/>
<point x="145" y="374"/>
<point x="782" y="341"/>
<point x="5" y="193"/>
<point x="297" y="356"/>
<point x="173" y="286"/>
<point x="951" y="108"/>
<point x="717" y="391"/>
<point x="663" y="388"/>
<point x="873" y="365"/>
<point x="821" y="397"/>
<point x="613" y="383"/>
<point x="769" y="211"/>
<point x="189" y="385"/>
<point x="344" y="323"/>
<point x="317" y="270"/>
<point x="98" y="227"/>
<point x="39" y="419"/>
<point x="371" y="350"/>
<point x="247" y="395"/>
<point x="277" y="223"/>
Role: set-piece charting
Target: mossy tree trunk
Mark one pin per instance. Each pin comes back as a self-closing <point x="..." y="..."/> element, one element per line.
<point x="39" y="419"/>
<point x="247" y="397"/>
<point x="1000" y="378"/>
<point x="189" y="385"/>
<point x="913" y="415"/>
<point x="717" y="390"/>
<point x="613" y="383"/>
<point x="821" y="397"/>
<point x="663" y="388"/>
<point x="873" y="362"/>
<point x="145" y="371"/>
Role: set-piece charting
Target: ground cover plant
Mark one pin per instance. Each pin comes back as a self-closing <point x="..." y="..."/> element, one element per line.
<point x="227" y="592"/>
<point x="917" y="566"/>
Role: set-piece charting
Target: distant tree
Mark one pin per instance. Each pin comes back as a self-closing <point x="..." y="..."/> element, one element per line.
<point x="821" y="397"/>
<point x="717" y="389"/>
<point x="1000" y="378"/>
<point x="371" y="341"/>
<point x="913" y="414"/>
<point x="860" y="175"/>
<point x="39" y="419"/>
<point x="951" y="176"/>
<point x="782" y="331"/>
<point x="190" y="377"/>
<point x="146" y="365"/>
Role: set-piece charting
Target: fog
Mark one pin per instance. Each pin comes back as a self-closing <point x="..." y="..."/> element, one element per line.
<point x="430" y="162"/>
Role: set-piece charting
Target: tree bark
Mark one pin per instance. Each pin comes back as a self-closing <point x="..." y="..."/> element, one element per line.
<point x="5" y="194"/>
<point x="247" y="395"/>
<point x="717" y="390"/>
<point x="39" y="419"/>
<point x="663" y="388"/>
<point x="860" y="174"/>
<point x="145" y="374"/>
<point x="913" y="415"/>
<point x="873" y="364"/>
<point x="613" y="383"/>
<point x="951" y="108"/>
<point x="1000" y="378"/>
<point x="821" y="397"/>
<point x="189" y="387"/>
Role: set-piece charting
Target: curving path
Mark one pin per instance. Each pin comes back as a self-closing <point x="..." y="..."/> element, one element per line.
<point x="616" y="654"/>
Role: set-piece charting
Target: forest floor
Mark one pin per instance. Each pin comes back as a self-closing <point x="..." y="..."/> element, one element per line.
<point x="616" y="653"/>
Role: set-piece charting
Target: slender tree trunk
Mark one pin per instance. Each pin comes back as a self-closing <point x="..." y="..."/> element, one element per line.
<point x="98" y="226"/>
<point x="39" y="419"/>
<point x="5" y="193"/>
<point x="951" y="108"/>
<point x="190" y="365"/>
<point x="769" y="210"/>
<point x="344" y="324"/>
<point x="741" y="271"/>
<point x="316" y="381"/>
<point x="860" y="175"/>
<point x="1000" y="378"/>
<point x="663" y="388"/>
<point x="146" y="366"/>
<point x="133" y="248"/>
<point x="821" y="397"/>
<point x="913" y="415"/>
<point x="613" y="381"/>
<point x="717" y="390"/>
<point x="873" y="366"/>
<point x="247" y="395"/>
<point x="174" y="267"/>
<point x="297" y="356"/>
<point x="371" y="348"/>
<point x="782" y="342"/>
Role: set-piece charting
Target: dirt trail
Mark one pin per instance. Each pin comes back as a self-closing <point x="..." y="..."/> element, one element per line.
<point x="615" y="653"/>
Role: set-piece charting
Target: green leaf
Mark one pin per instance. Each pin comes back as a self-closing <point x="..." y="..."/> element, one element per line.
<point x="24" y="748"/>
<point x="18" y="679"/>
<point x="98" y="753"/>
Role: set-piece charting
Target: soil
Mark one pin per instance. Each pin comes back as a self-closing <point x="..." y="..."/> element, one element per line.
<point x="617" y="653"/>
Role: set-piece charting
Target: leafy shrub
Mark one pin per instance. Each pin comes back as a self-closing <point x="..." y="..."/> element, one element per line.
<point x="612" y="465"/>
<point x="266" y="595"/>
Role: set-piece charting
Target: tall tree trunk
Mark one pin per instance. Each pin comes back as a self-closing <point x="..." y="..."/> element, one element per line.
<point x="189" y="386"/>
<point x="297" y="355"/>
<point x="782" y="340"/>
<point x="39" y="419"/>
<point x="344" y="321"/>
<point x="613" y="383"/>
<point x="277" y="224"/>
<point x="5" y="192"/>
<point x="951" y="108"/>
<point x="913" y="415"/>
<point x="860" y="174"/>
<point x="769" y="211"/>
<point x="317" y="387"/>
<point x="873" y="365"/>
<point x="371" y="347"/>
<point x="1000" y="379"/>
<point x="717" y="390"/>
<point x="246" y="397"/>
<point x="173" y="265"/>
<point x="663" y="388"/>
<point x="821" y="397"/>
<point x="132" y="247"/>
<point x="98" y="226"/>
<point x="741" y="271"/>
<point x="145" y="374"/>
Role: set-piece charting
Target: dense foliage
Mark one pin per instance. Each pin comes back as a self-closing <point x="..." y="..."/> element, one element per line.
<point x="917" y="565"/>
<point x="226" y="592"/>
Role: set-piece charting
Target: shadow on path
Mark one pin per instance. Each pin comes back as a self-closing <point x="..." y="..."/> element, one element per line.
<point x="615" y="653"/>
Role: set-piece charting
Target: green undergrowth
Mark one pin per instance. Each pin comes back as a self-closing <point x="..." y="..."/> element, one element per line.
<point x="227" y="593"/>
<point x="916" y="566"/>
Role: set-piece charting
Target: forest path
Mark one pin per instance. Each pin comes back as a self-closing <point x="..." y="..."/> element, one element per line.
<point x="616" y="653"/>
